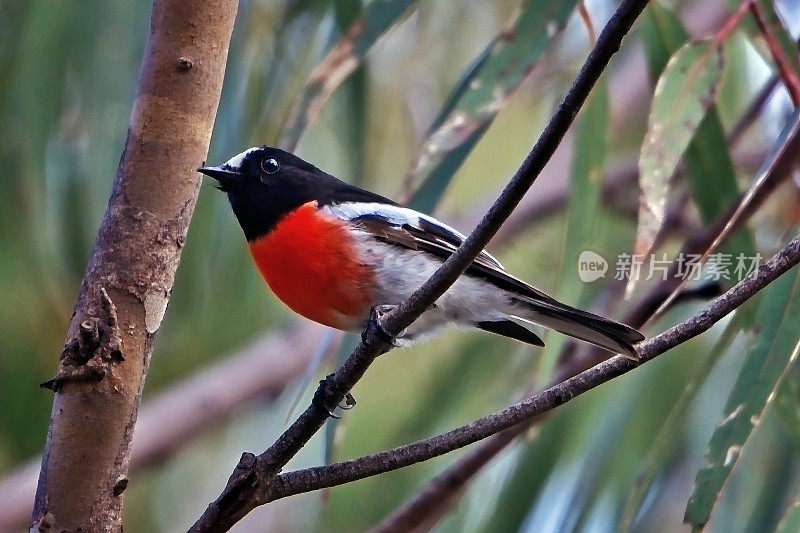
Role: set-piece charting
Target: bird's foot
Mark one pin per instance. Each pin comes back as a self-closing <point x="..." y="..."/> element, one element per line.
<point x="375" y="330"/>
<point x="325" y="398"/>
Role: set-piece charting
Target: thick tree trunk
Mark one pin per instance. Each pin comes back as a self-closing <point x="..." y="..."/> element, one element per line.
<point x="130" y="274"/>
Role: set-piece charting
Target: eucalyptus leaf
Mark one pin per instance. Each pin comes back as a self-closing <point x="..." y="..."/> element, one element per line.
<point x="709" y="169"/>
<point x="342" y="60"/>
<point x="766" y="365"/>
<point x="479" y="96"/>
<point x="790" y="523"/>
<point x="683" y="95"/>
<point x="665" y="442"/>
<point x="585" y="188"/>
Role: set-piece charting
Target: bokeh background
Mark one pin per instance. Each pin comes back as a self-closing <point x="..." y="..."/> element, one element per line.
<point x="68" y="77"/>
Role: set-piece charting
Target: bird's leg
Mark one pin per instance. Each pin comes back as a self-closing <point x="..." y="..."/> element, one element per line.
<point x="375" y="330"/>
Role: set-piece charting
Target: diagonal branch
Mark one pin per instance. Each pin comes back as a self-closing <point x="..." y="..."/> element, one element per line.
<point x="787" y="72"/>
<point x="338" y="473"/>
<point x="251" y="482"/>
<point x="428" y="504"/>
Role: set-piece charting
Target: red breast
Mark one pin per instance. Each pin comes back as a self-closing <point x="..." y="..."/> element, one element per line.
<point x="311" y="262"/>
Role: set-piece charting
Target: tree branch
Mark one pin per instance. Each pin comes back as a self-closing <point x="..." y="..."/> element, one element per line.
<point x="250" y="484"/>
<point x="199" y="403"/>
<point x="428" y="504"/>
<point x="131" y="271"/>
<point x="787" y="72"/>
<point x="157" y="444"/>
<point x="339" y="473"/>
<point x="434" y="497"/>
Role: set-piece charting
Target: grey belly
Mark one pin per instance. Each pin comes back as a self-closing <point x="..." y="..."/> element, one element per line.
<point x="401" y="271"/>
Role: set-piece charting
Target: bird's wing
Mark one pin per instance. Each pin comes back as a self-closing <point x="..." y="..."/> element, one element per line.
<point x="405" y="227"/>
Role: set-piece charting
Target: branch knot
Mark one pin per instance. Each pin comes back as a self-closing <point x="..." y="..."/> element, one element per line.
<point x="88" y="355"/>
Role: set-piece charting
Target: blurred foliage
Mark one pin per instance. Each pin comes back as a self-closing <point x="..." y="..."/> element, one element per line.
<point x="69" y="73"/>
<point x="766" y="365"/>
<point x="664" y="444"/>
<point x="480" y="94"/>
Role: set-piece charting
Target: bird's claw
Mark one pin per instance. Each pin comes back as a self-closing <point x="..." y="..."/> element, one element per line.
<point x="349" y="402"/>
<point x="324" y="395"/>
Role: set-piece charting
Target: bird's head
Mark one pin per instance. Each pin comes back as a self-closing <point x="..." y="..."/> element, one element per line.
<point x="265" y="183"/>
<point x="260" y="170"/>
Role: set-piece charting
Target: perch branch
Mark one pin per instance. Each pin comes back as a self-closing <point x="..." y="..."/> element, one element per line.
<point x="250" y="484"/>
<point x="428" y="504"/>
<point x="339" y="473"/>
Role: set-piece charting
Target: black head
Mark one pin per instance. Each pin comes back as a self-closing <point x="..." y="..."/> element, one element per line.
<point x="264" y="184"/>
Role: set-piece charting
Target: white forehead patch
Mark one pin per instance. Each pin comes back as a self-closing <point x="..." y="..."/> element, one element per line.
<point x="237" y="160"/>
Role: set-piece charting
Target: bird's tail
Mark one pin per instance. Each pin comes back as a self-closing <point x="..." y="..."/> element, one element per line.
<point x="583" y="325"/>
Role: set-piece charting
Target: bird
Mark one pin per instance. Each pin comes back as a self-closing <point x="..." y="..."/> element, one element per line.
<point x="332" y="252"/>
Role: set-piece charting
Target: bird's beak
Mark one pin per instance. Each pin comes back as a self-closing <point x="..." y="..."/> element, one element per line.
<point x="224" y="176"/>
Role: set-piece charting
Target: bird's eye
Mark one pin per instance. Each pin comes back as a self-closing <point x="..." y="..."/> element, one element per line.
<point x="270" y="166"/>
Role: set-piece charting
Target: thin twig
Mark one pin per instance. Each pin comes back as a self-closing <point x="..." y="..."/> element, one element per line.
<point x="753" y="111"/>
<point x="435" y="497"/>
<point x="789" y="75"/>
<point x="782" y="161"/>
<point x="338" y="473"/>
<point x="438" y="494"/>
<point x="587" y="22"/>
<point x="251" y="483"/>
<point x="732" y="21"/>
<point x="432" y="501"/>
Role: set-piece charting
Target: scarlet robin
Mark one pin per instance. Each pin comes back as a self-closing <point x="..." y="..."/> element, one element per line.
<point x="331" y="251"/>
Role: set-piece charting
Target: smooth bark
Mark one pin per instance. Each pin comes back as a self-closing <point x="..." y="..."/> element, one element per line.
<point x="129" y="278"/>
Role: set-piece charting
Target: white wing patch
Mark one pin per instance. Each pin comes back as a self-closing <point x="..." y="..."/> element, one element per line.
<point x="401" y="215"/>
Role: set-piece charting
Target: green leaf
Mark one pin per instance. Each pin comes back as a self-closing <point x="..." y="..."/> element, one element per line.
<point x="342" y="60"/>
<point x="788" y="406"/>
<point x="585" y="194"/>
<point x="709" y="168"/>
<point x="278" y="48"/>
<point x="770" y="484"/>
<point x="712" y="180"/>
<point x="764" y="368"/>
<point x="355" y="89"/>
<point x="589" y="156"/>
<point x="683" y="95"/>
<point x="664" y="443"/>
<point x="479" y="96"/>
<point x="663" y="34"/>
<point x="790" y="523"/>
<point x="708" y="164"/>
